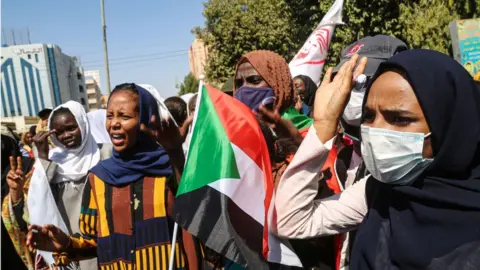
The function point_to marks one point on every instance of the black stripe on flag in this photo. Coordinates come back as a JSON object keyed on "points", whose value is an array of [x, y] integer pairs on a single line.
{"points": [[222, 226]]}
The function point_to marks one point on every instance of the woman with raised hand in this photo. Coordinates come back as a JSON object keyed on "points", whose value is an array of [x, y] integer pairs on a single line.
{"points": [[305, 89], [420, 135], [58, 178], [125, 219], [263, 78], [13, 245]]}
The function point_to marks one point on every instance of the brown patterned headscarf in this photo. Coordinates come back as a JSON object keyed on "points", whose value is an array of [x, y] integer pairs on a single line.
{"points": [[275, 71]]}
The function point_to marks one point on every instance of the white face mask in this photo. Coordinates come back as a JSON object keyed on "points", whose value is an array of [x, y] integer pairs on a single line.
{"points": [[393, 157], [353, 111]]}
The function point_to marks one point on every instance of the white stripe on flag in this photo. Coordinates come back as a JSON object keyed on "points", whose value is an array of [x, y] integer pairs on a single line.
{"points": [[249, 194]]}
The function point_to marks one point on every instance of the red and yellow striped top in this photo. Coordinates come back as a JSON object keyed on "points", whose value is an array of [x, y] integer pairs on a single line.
{"points": [[128, 227]]}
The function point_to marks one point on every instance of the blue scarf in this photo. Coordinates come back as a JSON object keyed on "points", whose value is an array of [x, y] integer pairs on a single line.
{"points": [[147, 158]]}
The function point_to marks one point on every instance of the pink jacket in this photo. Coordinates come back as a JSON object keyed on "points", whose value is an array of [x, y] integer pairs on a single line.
{"points": [[298, 215]]}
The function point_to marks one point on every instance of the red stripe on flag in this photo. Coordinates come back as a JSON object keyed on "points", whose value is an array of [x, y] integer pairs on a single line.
{"points": [[242, 129]]}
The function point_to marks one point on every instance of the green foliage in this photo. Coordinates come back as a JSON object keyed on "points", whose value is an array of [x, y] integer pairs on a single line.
{"points": [[362, 18], [234, 27], [189, 85], [228, 85], [419, 21]]}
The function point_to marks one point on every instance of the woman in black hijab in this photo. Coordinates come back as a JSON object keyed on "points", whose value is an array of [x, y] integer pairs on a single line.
{"points": [[305, 88], [433, 223], [420, 207]]}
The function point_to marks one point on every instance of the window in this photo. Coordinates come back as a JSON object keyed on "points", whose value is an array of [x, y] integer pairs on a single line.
{"points": [[79, 75], [29, 56], [80, 88], [36, 57], [83, 101]]}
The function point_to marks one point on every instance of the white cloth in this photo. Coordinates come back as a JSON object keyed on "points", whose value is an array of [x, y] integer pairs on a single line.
{"points": [[42, 207], [72, 165], [97, 119], [311, 57], [187, 97]]}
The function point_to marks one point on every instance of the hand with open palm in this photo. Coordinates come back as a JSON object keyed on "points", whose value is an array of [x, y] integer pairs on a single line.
{"points": [[166, 133], [333, 95]]}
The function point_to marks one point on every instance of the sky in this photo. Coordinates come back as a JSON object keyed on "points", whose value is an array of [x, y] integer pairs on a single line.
{"points": [[148, 40]]}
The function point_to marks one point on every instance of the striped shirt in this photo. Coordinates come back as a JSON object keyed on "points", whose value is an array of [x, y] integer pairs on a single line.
{"points": [[128, 225]]}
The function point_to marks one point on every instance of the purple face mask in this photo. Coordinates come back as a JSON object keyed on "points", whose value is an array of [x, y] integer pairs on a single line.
{"points": [[254, 97]]}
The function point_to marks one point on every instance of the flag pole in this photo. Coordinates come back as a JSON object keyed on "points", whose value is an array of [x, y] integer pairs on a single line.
{"points": [[172, 253], [175, 228], [201, 83]]}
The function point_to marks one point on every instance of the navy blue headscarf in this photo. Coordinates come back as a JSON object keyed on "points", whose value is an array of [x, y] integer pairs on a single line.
{"points": [[147, 158], [435, 222]]}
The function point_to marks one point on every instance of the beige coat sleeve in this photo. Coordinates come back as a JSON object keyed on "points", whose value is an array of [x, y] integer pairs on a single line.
{"points": [[298, 215]]}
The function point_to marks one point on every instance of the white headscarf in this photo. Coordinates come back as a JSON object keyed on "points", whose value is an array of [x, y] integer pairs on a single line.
{"points": [[97, 119], [73, 165], [187, 97]]}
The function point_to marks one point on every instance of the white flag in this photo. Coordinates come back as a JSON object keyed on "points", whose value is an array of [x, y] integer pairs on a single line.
{"points": [[313, 54]]}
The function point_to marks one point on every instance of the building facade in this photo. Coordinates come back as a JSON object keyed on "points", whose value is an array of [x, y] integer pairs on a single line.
{"points": [[95, 74], [104, 101], [92, 82], [197, 56], [37, 76]]}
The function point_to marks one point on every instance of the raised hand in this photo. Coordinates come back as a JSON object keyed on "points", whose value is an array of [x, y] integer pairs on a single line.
{"points": [[332, 96], [283, 128], [166, 133], [41, 142], [48, 238], [298, 102], [16, 179]]}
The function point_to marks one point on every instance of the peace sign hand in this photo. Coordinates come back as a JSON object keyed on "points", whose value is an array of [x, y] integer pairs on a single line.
{"points": [[166, 133], [41, 142], [16, 179]]}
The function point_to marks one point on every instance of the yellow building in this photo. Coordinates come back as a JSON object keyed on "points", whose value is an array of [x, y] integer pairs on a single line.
{"points": [[197, 56]]}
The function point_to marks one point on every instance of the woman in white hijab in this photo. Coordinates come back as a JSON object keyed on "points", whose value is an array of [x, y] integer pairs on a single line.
{"points": [[60, 175]]}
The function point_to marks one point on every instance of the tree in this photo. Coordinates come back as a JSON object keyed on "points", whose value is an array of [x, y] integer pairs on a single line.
{"points": [[189, 85], [420, 21], [228, 85], [234, 27]]}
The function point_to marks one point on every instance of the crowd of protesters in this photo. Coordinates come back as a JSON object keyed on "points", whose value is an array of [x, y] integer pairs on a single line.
{"points": [[378, 167]]}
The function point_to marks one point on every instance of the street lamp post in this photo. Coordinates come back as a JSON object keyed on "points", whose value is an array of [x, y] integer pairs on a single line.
{"points": [[105, 48]]}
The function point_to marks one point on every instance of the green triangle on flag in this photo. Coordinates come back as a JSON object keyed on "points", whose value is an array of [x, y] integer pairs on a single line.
{"points": [[212, 149]]}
